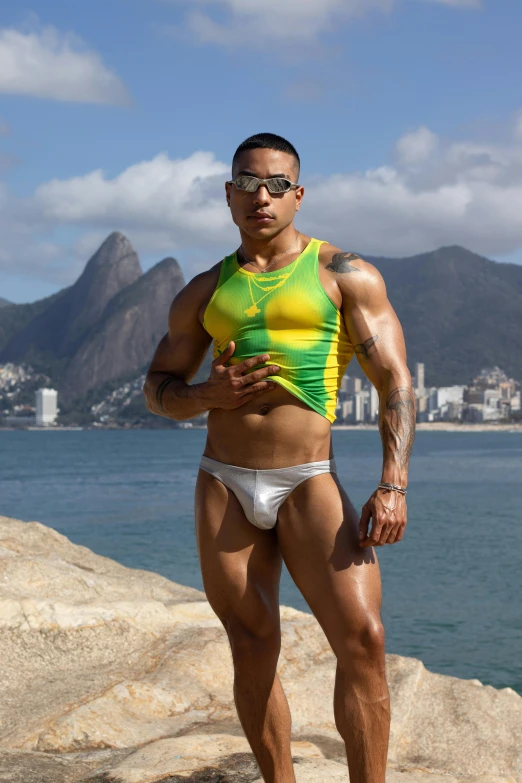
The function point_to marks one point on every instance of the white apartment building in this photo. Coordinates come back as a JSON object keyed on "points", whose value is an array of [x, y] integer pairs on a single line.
{"points": [[46, 407], [419, 379]]}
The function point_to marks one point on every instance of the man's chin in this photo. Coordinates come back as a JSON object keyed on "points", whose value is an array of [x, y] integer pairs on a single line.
{"points": [[266, 231]]}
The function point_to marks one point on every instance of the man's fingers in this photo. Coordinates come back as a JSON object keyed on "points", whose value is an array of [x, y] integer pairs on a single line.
{"points": [[255, 391], [400, 533], [375, 534], [225, 356], [242, 367], [364, 522], [392, 538], [385, 534], [258, 375]]}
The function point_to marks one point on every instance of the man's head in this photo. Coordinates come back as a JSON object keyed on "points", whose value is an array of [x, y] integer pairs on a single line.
{"points": [[264, 156]]}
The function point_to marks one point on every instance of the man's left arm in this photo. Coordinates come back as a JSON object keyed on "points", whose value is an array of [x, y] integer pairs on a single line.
{"points": [[378, 340]]}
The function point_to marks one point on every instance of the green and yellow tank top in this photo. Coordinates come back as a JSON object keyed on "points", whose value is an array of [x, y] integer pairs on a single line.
{"points": [[287, 314]]}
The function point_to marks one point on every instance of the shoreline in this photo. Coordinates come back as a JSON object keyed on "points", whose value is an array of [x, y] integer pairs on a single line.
{"points": [[441, 426], [437, 426]]}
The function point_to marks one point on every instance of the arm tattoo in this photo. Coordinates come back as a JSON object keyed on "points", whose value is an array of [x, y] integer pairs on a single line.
{"points": [[364, 348], [161, 390], [341, 262], [397, 424]]}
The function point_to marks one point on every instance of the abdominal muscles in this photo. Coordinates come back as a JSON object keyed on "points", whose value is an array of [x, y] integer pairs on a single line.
{"points": [[274, 430]]}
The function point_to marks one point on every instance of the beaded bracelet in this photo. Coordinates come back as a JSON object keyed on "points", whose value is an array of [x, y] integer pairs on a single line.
{"points": [[392, 487]]}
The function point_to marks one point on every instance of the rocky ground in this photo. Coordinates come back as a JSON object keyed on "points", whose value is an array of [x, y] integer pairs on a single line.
{"points": [[115, 675]]}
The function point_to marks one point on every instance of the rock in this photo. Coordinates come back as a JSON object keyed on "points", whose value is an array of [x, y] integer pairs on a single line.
{"points": [[114, 675], [182, 756], [59, 329], [72, 624], [127, 333]]}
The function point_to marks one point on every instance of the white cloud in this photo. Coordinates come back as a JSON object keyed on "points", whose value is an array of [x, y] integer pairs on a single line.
{"points": [[434, 193], [459, 3], [49, 64], [251, 24], [255, 23], [416, 146], [184, 197]]}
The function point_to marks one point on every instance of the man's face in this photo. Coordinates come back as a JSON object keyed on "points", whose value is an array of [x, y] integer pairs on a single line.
{"points": [[247, 209]]}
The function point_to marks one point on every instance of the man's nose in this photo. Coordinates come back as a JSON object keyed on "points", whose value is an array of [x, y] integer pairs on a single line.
{"points": [[262, 195]]}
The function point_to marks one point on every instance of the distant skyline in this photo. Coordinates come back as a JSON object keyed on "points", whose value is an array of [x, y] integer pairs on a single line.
{"points": [[124, 115]]}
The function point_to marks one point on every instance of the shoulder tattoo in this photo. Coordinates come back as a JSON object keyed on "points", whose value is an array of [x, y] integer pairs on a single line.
{"points": [[340, 263]]}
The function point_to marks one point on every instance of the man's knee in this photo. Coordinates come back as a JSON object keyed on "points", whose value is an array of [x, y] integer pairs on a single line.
{"points": [[255, 641], [363, 644]]}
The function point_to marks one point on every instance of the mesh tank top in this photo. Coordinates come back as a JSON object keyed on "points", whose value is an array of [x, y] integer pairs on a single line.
{"points": [[287, 314]]}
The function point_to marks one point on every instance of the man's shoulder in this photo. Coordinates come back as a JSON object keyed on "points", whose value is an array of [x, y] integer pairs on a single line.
{"points": [[198, 290], [351, 272]]}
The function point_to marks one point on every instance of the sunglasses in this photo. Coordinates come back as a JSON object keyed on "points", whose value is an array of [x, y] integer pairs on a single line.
{"points": [[274, 184]]}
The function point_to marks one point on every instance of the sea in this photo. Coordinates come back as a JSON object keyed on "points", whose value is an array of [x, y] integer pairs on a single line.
{"points": [[452, 588]]}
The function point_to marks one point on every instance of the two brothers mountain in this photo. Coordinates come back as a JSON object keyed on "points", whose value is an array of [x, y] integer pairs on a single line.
{"points": [[460, 312]]}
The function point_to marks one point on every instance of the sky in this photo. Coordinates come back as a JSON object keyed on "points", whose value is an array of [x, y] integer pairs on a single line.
{"points": [[125, 114]]}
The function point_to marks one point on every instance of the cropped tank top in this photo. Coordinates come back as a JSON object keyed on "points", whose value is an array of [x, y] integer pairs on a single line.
{"points": [[287, 314]]}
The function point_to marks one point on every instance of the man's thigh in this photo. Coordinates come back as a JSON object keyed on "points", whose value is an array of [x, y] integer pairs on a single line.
{"points": [[240, 564], [318, 535]]}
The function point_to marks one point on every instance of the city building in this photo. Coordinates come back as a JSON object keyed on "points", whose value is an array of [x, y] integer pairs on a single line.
{"points": [[491, 396], [419, 380], [46, 407], [444, 403]]}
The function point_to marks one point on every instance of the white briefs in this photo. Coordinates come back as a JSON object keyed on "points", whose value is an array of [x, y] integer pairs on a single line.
{"points": [[262, 492]]}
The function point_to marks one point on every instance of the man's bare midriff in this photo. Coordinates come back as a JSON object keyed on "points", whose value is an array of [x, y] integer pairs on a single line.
{"points": [[276, 430]]}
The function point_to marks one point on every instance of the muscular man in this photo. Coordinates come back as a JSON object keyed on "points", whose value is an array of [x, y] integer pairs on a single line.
{"points": [[286, 313]]}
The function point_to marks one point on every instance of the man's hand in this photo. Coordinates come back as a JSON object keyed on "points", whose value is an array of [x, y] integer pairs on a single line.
{"points": [[232, 387], [388, 513]]}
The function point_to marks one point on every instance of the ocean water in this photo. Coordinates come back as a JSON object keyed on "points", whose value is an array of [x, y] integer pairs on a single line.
{"points": [[451, 588]]}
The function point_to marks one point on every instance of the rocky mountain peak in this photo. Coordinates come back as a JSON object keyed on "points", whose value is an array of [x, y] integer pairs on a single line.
{"points": [[113, 267], [168, 266], [60, 328]]}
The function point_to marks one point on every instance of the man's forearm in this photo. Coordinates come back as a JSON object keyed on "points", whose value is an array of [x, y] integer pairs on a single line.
{"points": [[397, 427], [169, 396]]}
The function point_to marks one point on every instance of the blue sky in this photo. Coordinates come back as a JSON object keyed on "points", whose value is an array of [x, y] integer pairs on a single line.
{"points": [[124, 115]]}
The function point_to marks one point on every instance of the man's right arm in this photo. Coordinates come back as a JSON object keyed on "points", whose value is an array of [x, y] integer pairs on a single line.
{"points": [[180, 354]]}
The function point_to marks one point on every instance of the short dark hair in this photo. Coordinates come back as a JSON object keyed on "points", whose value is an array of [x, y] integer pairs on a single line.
{"points": [[270, 141]]}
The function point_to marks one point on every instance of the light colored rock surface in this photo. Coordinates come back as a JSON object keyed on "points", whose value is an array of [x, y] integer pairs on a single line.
{"points": [[182, 755], [111, 669]]}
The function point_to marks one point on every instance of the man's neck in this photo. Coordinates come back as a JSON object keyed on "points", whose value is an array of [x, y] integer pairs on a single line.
{"points": [[263, 251]]}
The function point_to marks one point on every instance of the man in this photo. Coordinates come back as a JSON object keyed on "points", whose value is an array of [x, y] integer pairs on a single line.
{"points": [[286, 313]]}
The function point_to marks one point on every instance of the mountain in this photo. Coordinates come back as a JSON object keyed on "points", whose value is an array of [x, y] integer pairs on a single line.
{"points": [[57, 332], [460, 312], [127, 334], [103, 327], [15, 317], [4, 302]]}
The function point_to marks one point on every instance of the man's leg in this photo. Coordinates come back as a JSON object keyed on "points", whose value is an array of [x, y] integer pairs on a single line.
{"points": [[318, 536], [241, 568]]}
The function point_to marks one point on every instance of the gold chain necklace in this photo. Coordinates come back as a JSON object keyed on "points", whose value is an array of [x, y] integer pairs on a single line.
{"points": [[254, 309]]}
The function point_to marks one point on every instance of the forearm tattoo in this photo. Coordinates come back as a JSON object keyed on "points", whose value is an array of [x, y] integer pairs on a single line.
{"points": [[363, 349], [341, 262], [397, 425], [161, 390]]}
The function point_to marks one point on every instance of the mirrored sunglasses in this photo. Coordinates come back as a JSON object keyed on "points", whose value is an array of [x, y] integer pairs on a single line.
{"points": [[274, 184]]}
